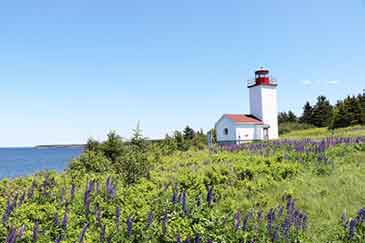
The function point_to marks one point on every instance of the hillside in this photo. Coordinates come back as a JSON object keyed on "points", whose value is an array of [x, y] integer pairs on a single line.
{"points": [[285, 191]]}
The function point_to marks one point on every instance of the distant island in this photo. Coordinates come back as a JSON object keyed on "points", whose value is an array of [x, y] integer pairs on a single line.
{"points": [[60, 146]]}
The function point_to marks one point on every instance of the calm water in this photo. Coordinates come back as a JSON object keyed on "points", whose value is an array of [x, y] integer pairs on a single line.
{"points": [[27, 161]]}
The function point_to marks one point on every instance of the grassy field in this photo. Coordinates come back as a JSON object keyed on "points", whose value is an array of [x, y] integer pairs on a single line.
{"points": [[207, 196], [318, 133]]}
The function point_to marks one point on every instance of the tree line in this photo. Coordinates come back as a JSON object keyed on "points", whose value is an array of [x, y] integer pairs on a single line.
{"points": [[347, 112]]}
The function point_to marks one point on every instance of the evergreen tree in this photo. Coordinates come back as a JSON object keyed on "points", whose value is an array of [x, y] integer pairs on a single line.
{"points": [[322, 112], [307, 114], [188, 133], [340, 117]]}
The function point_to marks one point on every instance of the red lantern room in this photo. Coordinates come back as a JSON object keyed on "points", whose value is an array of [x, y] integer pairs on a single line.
{"points": [[262, 78]]}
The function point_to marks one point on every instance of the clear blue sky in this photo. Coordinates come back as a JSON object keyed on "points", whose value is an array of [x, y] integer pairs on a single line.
{"points": [[74, 69]]}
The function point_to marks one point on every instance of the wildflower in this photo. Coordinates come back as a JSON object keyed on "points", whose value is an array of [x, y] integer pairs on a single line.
{"points": [[164, 223], [178, 239], [197, 239], [149, 220], [352, 228], [7, 212], [117, 220], [11, 238], [55, 219], [129, 226], [64, 220], [21, 232], [83, 232], [102, 233], [210, 196], [21, 199], [31, 191], [237, 220], [35, 232], [183, 203]]}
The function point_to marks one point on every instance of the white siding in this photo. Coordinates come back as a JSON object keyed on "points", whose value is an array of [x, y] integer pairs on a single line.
{"points": [[221, 125]]}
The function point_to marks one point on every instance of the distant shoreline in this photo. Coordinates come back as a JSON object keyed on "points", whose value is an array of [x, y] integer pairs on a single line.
{"points": [[60, 146]]}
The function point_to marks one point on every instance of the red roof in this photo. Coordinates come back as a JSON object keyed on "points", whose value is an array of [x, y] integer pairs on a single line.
{"points": [[250, 119]]}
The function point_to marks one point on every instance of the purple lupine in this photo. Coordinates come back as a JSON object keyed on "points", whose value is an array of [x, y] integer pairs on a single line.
{"points": [[210, 196], [246, 221], [117, 217], [109, 188], [197, 239], [64, 220], [102, 233], [352, 229], [164, 223], [209, 241], [31, 190], [55, 220], [187, 240], [11, 238], [14, 204], [21, 232], [275, 236], [286, 228], [58, 239], [184, 203], [174, 196], [7, 212], [237, 220], [109, 240], [83, 232], [361, 215], [259, 216], [178, 239], [129, 226], [270, 221], [344, 219], [21, 199], [149, 220], [35, 232]]}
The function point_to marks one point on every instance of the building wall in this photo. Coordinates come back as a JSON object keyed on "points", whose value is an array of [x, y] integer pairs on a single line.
{"points": [[263, 105], [236, 132], [221, 125]]}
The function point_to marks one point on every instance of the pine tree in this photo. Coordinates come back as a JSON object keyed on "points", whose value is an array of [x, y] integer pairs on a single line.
{"points": [[188, 133], [322, 112], [307, 114]]}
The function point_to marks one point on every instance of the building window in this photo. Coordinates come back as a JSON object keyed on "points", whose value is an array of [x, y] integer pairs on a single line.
{"points": [[225, 131]]}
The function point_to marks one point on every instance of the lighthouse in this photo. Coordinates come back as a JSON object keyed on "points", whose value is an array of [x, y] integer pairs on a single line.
{"points": [[263, 101], [261, 123]]}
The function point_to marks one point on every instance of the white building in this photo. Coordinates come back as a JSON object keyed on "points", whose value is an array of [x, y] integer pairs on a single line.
{"points": [[262, 123]]}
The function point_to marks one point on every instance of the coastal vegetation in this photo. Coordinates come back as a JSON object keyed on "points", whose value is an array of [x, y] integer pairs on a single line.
{"points": [[345, 113], [307, 187]]}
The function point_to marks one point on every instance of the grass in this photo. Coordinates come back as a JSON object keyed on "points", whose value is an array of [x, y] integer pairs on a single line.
{"points": [[319, 133]]}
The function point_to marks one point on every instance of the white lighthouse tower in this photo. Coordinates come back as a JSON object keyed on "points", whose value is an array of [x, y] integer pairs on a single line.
{"points": [[263, 102]]}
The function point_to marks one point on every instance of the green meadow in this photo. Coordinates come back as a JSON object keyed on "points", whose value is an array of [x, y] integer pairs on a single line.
{"points": [[140, 192]]}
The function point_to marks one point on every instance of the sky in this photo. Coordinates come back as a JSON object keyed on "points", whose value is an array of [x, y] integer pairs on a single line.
{"points": [[70, 70]]}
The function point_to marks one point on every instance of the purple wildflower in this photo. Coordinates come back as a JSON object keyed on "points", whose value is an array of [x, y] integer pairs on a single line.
{"points": [[72, 191], [164, 223], [102, 233], [64, 220], [210, 196], [129, 226], [149, 220], [352, 229], [83, 232], [178, 239], [21, 232], [35, 232], [55, 219], [117, 217], [197, 239], [11, 238], [7, 212], [237, 220]]}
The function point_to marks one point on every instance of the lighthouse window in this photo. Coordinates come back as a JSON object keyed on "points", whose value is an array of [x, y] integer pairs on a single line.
{"points": [[225, 131]]}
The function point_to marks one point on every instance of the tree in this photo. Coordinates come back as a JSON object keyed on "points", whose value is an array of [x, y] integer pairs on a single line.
{"points": [[92, 145], [188, 133], [113, 147], [322, 112], [307, 114], [340, 117]]}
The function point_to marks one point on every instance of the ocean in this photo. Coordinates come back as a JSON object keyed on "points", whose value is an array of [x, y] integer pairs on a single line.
{"points": [[27, 161]]}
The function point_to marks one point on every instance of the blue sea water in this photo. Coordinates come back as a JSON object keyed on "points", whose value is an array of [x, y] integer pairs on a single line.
{"points": [[27, 161]]}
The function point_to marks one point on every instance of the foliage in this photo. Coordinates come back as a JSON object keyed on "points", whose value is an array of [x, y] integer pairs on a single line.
{"points": [[283, 191]]}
